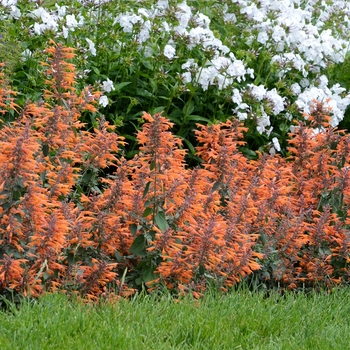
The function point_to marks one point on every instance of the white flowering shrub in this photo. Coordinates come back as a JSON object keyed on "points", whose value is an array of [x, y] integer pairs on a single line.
{"points": [[263, 62]]}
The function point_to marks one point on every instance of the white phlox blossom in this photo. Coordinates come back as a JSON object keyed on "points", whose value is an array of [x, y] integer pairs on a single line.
{"points": [[236, 97], [230, 17], [8, 3], [275, 146], [107, 85], [183, 15], [263, 121], [203, 21], [294, 59], [49, 20], [144, 34], [262, 37], [61, 10], [278, 33], [198, 36], [277, 101], [162, 4], [92, 48], [241, 110], [26, 54], [304, 82], [169, 51], [186, 77], [127, 21], [242, 116], [190, 64], [222, 71], [103, 101], [237, 69], [15, 12], [253, 12], [166, 26], [296, 89], [323, 81], [71, 22], [257, 91]]}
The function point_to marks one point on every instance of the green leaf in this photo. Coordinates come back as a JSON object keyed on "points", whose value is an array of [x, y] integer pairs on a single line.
{"points": [[87, 177], [148, 274], [147, 64], [144, 93], [138, 281], [45, 149], [158, 109], [216, 185], [161, 221], [118, 257], [131, 154], [133, 229], [138, 247], [145, 192], [197, 118], [176, 115], [96, 70], [188, 108], [248, 153], [147, 212], [119, 86], [189, 145], [129, 137], [152, 166]]}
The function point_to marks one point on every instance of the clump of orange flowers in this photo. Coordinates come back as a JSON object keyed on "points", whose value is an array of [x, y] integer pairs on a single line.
{"points": [[65, 225]]}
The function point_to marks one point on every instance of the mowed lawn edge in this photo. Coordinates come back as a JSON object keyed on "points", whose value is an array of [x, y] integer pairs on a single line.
{"points": [[239, 320]]}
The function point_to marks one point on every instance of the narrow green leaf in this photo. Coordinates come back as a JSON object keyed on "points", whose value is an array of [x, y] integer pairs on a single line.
{"points": [[45, 149], [145, 192], [152, 165], [161, 221], [144, 93], [158, 109], [118, 257], [248, 153], [188, 108], [197, 118], [189, 145], [119, 86]]}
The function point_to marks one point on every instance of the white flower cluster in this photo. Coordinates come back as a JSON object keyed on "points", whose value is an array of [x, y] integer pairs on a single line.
{"points": [[14, 10], [50, 20], [293, 31], [331, 97], [221, 71], [107, 86]]}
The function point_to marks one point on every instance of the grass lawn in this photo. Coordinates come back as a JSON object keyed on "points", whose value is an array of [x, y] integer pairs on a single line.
{"points": [[241, 320]]}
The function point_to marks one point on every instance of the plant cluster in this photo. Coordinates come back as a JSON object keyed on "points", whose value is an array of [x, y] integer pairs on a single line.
{"points": [[77, 216], [199, 62]]}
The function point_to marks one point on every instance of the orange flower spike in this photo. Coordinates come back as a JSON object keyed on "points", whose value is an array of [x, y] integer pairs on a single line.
{"points": [[11, 272]]}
